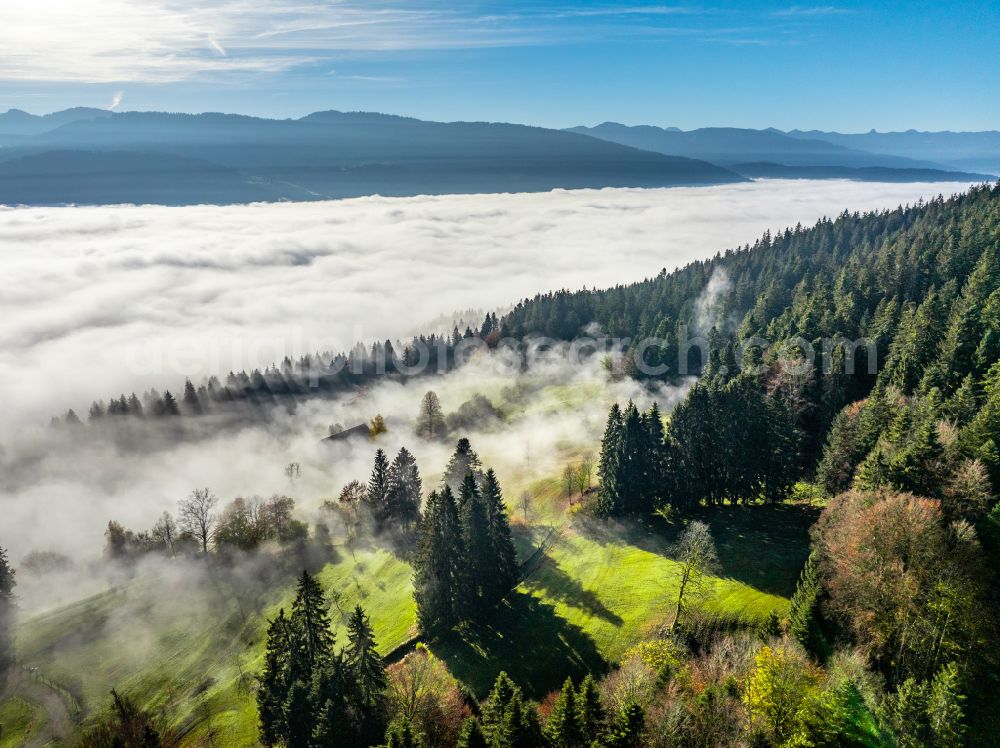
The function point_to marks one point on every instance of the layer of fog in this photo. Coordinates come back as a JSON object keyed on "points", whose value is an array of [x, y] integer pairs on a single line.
{"points": [[91, 293], [102, 300], [552, 414]]}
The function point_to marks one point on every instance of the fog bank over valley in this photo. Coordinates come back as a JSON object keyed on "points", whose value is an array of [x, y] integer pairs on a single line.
{"points": [[102, 300], [99, 300]]}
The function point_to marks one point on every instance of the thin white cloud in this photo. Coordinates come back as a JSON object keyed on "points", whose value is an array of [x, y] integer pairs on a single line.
{"points": [[812, 11], [216, 46], [116, 100], [170, 40]]}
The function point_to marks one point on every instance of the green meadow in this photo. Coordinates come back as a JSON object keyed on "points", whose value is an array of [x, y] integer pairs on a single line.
{"points": [[591, 590]]}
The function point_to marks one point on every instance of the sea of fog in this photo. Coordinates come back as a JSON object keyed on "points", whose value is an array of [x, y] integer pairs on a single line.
{"points": [[96, 301], [100, 300]]}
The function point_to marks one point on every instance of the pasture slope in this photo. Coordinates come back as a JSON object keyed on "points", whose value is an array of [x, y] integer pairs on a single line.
{"points": [[192, 649]]}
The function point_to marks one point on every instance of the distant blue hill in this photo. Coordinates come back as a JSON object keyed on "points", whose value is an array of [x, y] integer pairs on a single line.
{"points": [[17, 123], [92, 178], [768, 170], [824, 152], [964, 150], [182, 157]]}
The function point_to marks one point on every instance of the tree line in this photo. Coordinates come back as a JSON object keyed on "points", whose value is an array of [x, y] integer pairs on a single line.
{"points": [[728, 440], [323, 374]]}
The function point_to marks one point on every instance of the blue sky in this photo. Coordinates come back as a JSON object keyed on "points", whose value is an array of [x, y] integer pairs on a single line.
{"points": [[849, 66]]}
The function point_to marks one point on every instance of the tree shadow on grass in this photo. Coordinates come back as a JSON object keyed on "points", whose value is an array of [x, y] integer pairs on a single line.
{"points": [[552, 582], [525, 637], [763, 545]]}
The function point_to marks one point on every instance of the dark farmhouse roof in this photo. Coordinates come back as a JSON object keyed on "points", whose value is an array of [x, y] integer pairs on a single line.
{"points": [[360, 430]]}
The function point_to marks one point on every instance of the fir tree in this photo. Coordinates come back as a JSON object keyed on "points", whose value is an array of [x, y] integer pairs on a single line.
{"points": [[464, 461], [906, 712], [312, 639], [590, 711], [378, 488], [191, 402], [362, 658], [626, 731], [610, 501], [437, 565], [563, 730], [472, 735], [299, 720], [273, 688], [404, 489], [477, 566], [168, 406], [945, 711], [338, 718], [803, 615], [7, 584], [504, 573], [401, 734], [503, 715]]}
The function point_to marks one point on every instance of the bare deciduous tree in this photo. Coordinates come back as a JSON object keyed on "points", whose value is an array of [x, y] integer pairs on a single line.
{"points": [[585, 473], [196, 515], [569, 482], [525, 503], [165, 532], [696, 554]]}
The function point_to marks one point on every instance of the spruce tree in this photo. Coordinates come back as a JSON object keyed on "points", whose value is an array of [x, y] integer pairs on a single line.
{"points": [[563, 730], [477, 566], [472, 735], [437, 564], [464, 461], [363, 660], [299, 720], [803, 615], [312, 638], [505, 570], [378, 488], [610, 498], [404, 489], [590, 711], [273, 683], [7, 584]]}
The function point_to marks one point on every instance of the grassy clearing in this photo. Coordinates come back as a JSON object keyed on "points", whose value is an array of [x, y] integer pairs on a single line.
{"points": [[593, 590], [598, 589], [20, 719], [192, 649]]}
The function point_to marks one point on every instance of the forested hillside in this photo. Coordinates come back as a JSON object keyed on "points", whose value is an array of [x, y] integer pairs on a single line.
{"points": [[874, 369]]}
